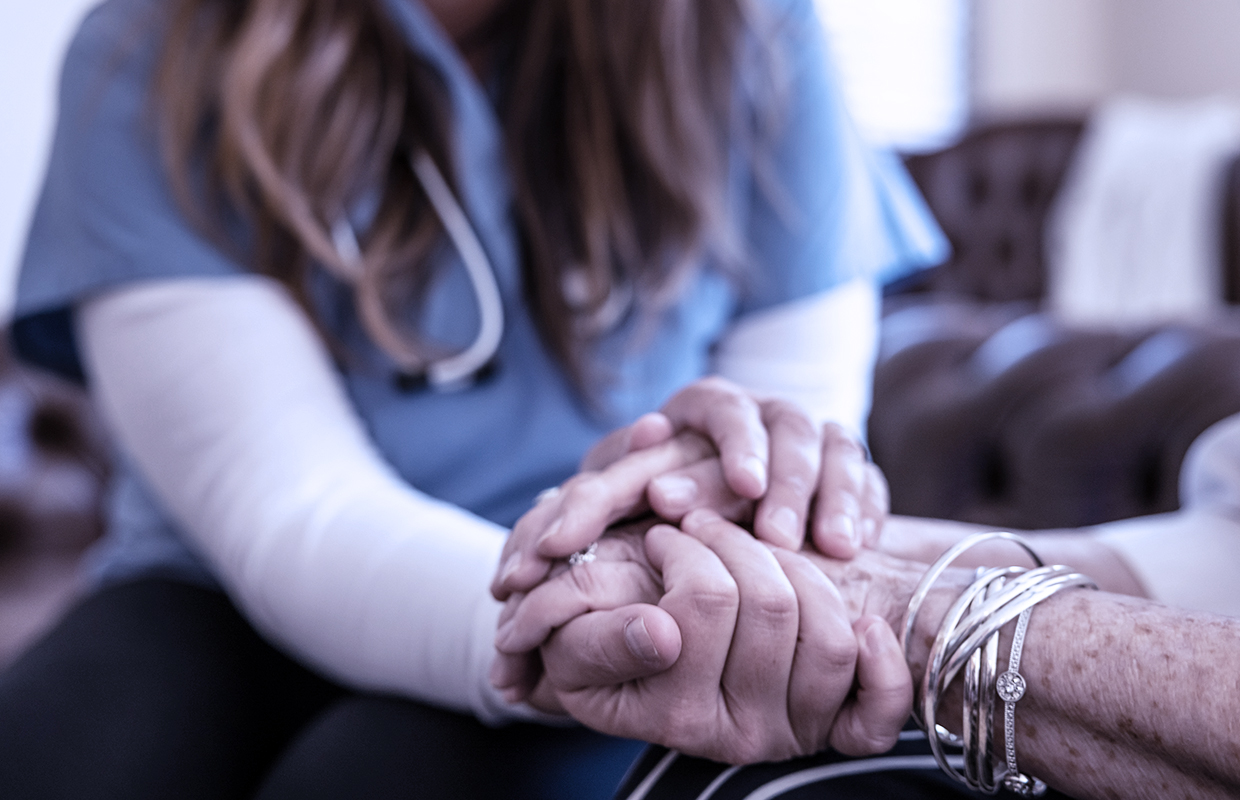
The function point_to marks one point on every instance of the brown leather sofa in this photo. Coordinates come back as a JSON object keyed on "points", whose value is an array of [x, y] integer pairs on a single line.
{"points": [[986, 409]]}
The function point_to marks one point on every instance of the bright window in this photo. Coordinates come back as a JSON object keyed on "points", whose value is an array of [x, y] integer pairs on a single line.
{"points": [[904, 66]]}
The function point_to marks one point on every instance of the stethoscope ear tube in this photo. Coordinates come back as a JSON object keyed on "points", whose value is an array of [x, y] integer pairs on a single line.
{"points": [[457, 371]]}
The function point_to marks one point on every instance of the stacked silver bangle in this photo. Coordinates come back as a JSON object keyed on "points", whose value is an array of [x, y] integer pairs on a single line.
{"points": [[969, 640]]}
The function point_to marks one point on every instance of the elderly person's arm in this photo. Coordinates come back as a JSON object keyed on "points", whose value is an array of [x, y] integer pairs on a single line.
{"points": [[1126, 697]]}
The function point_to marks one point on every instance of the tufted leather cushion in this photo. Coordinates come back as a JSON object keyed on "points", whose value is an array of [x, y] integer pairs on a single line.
{"points": [[996, 414], [991, 193], [1230, 225]]}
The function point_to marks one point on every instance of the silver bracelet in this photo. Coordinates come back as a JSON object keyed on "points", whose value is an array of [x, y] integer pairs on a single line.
{"points": [[977, 714], [987, 780], [1010, 687], [927, 583], [935, 680], [946, 663], [940, 566], [968, 641]]}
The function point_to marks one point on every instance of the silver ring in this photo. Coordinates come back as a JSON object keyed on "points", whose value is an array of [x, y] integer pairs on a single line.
{"points": [[584, 556]]}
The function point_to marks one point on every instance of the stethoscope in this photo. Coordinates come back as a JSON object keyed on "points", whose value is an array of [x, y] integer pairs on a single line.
{"points": [[462, 369]]}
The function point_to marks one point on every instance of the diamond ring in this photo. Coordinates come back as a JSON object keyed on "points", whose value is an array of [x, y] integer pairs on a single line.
{"points": [[584, 556]]}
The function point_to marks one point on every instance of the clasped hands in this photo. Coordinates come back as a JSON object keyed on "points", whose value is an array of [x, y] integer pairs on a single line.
{"points": [[688, 629]]}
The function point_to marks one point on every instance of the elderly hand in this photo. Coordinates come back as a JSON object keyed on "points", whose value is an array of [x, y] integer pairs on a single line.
{"points": [[763, 656], [572, 516]]}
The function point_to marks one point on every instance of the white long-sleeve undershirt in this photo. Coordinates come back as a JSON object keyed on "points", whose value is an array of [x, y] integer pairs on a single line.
{"points": [[1190, 558], [225, 397], [818, 352]]}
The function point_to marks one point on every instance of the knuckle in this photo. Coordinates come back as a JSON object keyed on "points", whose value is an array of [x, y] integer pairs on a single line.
{"points": [[709, 389], [877, 487], [796, 477], [732, 405], [790, 416], [834, 432], [839, 654], [835, 436], [715, 596], [586, 490], [774, 605], [800, 460], [846, 502], [714, 383]]}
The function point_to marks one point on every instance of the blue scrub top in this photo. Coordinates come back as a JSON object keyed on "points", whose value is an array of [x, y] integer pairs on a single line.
{"points": [[106, 217]]}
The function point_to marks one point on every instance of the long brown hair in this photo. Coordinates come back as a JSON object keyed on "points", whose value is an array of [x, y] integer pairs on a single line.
{"points": [[619, 120]]}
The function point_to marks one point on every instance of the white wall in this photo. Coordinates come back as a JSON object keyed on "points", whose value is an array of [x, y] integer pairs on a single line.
{"points": [[1040, 56], [33, 35], [1177, 47], [904, 67]]}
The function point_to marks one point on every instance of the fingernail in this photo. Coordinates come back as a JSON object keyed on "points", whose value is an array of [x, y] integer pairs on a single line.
{"points": [[868, 527], [638, 640], [511, 564], [677, 490], [550, 533], [785, 524], [842, 525], [504, 634], [757, 468]]}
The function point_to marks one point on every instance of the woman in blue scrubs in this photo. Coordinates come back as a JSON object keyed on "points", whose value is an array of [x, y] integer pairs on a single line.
{"points": [[352, 281]]}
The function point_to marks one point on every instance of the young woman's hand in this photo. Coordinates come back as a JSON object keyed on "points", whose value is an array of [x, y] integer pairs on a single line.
{"points": [[570, 517], [619, 575], [764, 661], [771, 453]]}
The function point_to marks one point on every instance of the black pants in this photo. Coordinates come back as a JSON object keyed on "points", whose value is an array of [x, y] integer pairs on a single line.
{"points": [[157, 689]]}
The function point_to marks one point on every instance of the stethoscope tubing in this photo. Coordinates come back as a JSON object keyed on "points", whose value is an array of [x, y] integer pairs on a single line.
{"points": [[458, 370]]}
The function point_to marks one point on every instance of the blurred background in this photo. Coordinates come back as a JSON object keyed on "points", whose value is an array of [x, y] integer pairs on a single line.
{"points": [[1081, 157]]}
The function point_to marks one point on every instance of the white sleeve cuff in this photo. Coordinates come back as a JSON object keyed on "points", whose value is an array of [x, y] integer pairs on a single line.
{"points": [[817, 352], [1187, 558]]}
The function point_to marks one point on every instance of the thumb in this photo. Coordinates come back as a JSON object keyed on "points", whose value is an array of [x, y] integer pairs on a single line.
{"points": [[871, 722], [603, 648]]}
